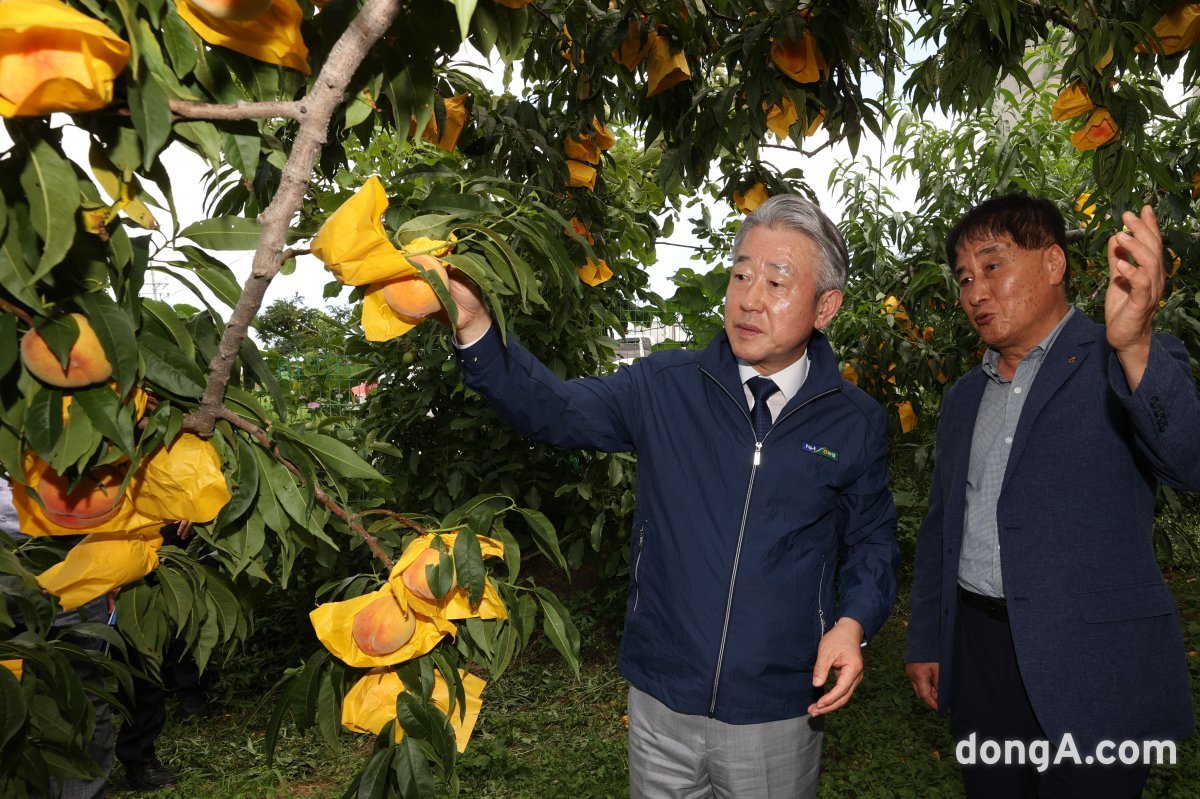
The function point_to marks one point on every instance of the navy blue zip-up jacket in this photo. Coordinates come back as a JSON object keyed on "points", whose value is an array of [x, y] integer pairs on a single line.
{"points": [[733, 556]]}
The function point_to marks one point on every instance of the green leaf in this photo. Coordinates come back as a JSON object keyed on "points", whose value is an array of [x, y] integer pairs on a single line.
{"points": [[224, 602], [43, 421], [60, 335], [468, 562], [268, 503], [220, 281], [241, 152], [8, 342], [338, 457], [413, 775], [464, 9], [506, 647], [513, 265], [115, 331], [205, 136], [176, 590], [13, 710], [276, 480], [224, 233], [180, 43], [253, 362], [10, 453], [358, 111], [245, 482], [166, 316], [328, 710], [150, 109], [414, 715], [464, 204], [243, 403], [53, 194], [210, 635], [14, 274], [169, 369], [544, 535], [79, 438], [557, 624], [374, 780]]}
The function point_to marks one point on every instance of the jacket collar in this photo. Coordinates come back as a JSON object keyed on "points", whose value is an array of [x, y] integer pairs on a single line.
{"points": [[1069, 351], [717, 359]]}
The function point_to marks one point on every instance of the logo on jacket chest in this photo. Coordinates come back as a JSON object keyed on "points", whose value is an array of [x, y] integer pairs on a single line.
{"points": [[824, 452]]}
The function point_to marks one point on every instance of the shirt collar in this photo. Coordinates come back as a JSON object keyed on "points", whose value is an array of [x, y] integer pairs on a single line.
{"points": [[789, 379], [991, 357]]}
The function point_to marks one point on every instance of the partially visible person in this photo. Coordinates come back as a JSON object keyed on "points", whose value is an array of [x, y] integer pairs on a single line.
{"points": [[147, 706], [138, 734], [762, 484], [102, 744], [1039, 613]]}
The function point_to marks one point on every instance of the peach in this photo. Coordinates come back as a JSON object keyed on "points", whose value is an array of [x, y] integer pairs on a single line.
{"points": [[237, 10], [86, 364], [411, 296], [94, 500], [417, 581], [382, 627]]}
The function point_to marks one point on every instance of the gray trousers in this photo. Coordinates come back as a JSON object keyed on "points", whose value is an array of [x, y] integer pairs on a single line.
{"points": [[677, 756]]}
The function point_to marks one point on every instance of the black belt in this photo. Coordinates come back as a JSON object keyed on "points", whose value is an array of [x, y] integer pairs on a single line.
{"points": [[994, 607]]}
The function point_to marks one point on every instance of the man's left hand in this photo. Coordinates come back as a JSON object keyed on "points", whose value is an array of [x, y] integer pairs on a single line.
{"points": [[840, 650], [1135, 285]]}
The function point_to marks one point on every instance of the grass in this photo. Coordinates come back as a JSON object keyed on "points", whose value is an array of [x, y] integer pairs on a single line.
{"points": [[544, 735]]}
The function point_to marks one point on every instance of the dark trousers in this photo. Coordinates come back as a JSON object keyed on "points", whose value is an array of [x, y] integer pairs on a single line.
{"points": [[989, 701], [148, 705]]}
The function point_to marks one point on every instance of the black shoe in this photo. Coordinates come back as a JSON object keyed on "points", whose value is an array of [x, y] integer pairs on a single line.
{"points": [[149, 777]]}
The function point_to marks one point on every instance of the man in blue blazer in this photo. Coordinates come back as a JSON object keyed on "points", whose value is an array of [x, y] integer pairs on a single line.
{"points": [[762, 478], [1039, 613]]}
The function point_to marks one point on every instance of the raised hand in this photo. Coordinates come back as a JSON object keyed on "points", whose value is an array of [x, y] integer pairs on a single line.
{"points": [[1135, 286], [473, 316]]}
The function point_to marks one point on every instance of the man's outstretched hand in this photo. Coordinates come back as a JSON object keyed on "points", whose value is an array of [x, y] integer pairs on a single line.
{"points": [[473, 317]]}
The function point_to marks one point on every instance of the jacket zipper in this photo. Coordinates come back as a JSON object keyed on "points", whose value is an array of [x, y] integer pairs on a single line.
{"points": [[737, 553], [637, 565], [820, 597]]}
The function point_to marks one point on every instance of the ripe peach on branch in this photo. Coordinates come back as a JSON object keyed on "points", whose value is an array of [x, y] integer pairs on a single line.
{"points": [[85, 365]]}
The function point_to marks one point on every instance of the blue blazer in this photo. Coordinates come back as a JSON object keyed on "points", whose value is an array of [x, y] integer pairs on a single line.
{"points": [[1096, 630]]}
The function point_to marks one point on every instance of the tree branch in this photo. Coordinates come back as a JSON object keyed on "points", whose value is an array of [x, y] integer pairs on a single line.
{"points": [[1053, 14], [259, 435], [808, 153], [696, 247], [282, 109], [316, 111], [17, 311]]}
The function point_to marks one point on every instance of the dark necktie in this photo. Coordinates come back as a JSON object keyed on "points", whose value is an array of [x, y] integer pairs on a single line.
{"points": [[760, 414]]}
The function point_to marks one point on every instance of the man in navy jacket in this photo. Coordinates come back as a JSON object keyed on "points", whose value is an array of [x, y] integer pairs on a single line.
{"points": [[747, 510], [1039, 613]]}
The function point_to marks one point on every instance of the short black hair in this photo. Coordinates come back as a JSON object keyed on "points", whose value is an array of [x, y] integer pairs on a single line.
{"points": [[1032, 222]]}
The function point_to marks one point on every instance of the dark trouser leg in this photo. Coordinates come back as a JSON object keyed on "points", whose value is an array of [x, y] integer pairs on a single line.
{"points": [[988, 699], [148, 716], [182, 679]]}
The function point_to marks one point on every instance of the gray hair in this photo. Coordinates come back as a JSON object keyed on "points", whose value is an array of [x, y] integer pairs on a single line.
{"points": [[794, 213]]}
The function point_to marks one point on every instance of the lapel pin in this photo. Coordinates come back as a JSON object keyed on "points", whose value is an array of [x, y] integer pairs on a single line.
{"points": [[1071, 359]]}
